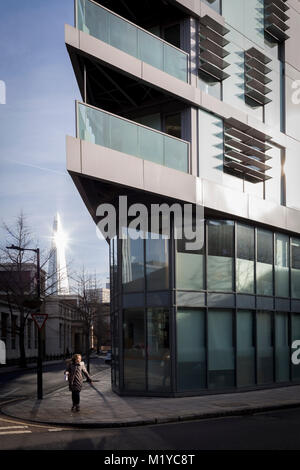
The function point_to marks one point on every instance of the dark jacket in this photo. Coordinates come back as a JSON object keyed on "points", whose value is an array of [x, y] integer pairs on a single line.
{"points": [[75, 376]]}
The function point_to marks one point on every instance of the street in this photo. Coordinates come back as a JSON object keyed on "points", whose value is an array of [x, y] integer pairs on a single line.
{"points": [[264, 431], [276, 430]]}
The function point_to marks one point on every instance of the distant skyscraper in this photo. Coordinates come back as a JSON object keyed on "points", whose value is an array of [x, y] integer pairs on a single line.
{"points": [[58, 282]]}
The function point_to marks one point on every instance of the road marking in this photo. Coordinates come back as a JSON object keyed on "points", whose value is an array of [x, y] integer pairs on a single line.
{"points": [[12, 427], [55, 429], [13, 432], [9, 393]]}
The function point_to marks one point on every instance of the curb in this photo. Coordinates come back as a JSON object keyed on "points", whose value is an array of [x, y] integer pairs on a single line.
{"points": [[164, 420]]}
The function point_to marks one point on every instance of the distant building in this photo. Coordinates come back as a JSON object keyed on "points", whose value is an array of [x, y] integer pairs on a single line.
{"points": [[9, 322], [101, 294], [64, 332]]}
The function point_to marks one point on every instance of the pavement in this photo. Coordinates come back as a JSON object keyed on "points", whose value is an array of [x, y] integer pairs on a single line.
{"points": [[100, 407]]}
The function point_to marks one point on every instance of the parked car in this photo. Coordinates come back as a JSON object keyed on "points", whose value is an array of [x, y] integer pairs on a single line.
{"points": [[108, 357]]}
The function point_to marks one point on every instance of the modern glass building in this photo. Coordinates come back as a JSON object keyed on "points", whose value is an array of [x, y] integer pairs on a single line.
{"points": [[195, 102]]}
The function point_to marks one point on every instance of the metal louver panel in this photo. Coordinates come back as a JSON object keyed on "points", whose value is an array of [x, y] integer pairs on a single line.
{"points": [[275, 19], [245, 151], [256, 78], [212, 51]]}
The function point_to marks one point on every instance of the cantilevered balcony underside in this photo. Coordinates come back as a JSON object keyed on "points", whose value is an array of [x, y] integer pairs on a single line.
{"points": [[102, 174]]}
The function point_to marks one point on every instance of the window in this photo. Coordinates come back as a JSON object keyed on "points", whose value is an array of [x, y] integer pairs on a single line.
{"points": [[173, 125], [158, 350], [264, 265], [245, 259], [220, 255], [282, 349], [265, 349], [282, 288], [29, 327], [4, 325], [13, 331], [245, 328], [191, 349], [60, 335], [221, 368], [134, 350], [132, 264], [189, 267], [157, 263], [295, 267]]}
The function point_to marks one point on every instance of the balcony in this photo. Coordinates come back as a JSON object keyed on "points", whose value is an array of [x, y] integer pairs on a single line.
{"points": [[114, 30], [114, 132]]}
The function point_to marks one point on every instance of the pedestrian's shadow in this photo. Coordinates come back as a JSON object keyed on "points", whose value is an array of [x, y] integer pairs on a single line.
{"points": [[104, 399]]}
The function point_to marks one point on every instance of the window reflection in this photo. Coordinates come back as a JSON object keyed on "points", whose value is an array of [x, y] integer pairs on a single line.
{"points": [[295, 246], [220, 255], [264, 266], [221, 367], [132, 263], [189, 266], [265, 349], [134, 349], [157, 263], [245, 259], [158, 349], [282, 265], [191, 349]]}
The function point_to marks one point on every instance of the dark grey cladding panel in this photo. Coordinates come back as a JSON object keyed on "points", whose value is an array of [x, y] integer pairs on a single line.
{"points": [[133, 300], [158, 299], [245, 301], [282, 305], [295, 306], [190, 299], [221, 300], [265, 303]]}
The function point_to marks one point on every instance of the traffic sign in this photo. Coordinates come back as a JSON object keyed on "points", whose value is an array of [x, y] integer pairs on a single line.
{"points": [[39, 319]]}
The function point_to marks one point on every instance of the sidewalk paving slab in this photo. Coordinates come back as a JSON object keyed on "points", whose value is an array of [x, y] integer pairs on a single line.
{"points": [[100, 407]]}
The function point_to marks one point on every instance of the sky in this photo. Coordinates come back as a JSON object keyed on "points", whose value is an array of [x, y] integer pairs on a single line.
{"points": [[38, 114]]}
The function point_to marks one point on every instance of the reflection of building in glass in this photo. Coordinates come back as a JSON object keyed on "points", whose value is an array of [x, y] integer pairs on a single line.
{"points": [[191, 102]]}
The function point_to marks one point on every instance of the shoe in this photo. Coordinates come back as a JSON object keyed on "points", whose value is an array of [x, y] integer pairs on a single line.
{"points": [[73, 408], [77, 408]]}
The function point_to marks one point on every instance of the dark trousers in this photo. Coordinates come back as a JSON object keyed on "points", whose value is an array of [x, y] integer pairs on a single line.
{"points": [[75, 398]]}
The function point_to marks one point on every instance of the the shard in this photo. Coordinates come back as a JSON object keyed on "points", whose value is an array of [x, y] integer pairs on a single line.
{"points": [[58, 282]]}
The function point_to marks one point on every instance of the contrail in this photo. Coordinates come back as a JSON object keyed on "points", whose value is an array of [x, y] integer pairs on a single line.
{"points": [[37, 167]]}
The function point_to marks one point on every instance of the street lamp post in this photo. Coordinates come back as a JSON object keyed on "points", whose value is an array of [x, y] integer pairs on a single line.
{"points": [[38, 288]]}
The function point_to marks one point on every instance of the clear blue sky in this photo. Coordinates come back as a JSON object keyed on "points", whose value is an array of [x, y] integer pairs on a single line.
{"points": [[38, 114]]}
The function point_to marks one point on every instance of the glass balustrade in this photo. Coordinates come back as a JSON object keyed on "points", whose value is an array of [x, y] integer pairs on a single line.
{"points": [[108, 130], [120, 33]]}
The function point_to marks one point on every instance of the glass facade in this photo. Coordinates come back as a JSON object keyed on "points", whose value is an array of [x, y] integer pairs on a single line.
{"points": [[194, 322]]}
